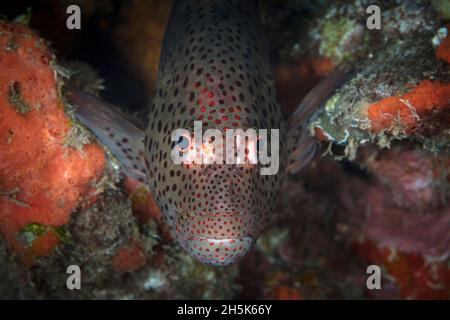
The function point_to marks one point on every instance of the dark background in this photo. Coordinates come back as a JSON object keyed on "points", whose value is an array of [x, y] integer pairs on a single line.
{"points": [[93, 44]]}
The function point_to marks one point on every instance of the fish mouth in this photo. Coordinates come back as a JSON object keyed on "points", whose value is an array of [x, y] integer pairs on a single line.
{"points": [[219, 238], [218, 252]]}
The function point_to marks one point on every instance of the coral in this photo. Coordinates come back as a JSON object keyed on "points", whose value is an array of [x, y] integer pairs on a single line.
{"points": [[280, 289], [144, 206], [342, 39], [336, 32], [407, 111], [121, 257], [305, 253], [84, 78], [41, 180], [335, 210], [129, 258], [406, 203], [416, 277], [287, 293], [400, 92], [418, 182]]}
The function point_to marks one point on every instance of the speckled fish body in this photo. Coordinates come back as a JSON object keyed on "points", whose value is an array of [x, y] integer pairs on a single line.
{"points": [[214, 68]]}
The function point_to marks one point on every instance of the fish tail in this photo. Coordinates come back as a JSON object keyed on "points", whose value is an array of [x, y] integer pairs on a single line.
{"points": [[114, 130], [302, 146]]}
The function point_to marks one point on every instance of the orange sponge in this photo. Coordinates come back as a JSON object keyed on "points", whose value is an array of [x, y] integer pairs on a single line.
{"points": [[409, 109], [41, 180], [129, 258]]}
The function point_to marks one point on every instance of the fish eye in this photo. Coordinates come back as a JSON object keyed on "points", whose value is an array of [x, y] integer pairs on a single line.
{"points": [[183, 143]]}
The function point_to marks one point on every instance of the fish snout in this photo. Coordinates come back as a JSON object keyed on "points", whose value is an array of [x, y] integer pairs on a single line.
{"points": [[219, 252]]}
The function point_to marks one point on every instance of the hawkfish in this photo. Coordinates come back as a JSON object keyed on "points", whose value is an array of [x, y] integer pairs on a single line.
{"points": [[214, 68]]}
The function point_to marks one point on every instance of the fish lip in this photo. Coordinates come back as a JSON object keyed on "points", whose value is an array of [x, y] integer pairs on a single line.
{"points": [[220, 240], [219, 252]]}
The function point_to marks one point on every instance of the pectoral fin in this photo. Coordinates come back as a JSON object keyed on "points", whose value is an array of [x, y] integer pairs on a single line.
{"points": [[302, 146], [114, 130]]}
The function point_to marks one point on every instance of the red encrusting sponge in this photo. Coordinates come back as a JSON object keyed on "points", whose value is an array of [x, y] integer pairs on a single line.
{"points": [[41, 180]]}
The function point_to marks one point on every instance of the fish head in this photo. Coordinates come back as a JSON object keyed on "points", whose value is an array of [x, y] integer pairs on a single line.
{"points": [[215, 210], [219, 221], [222, 207]]}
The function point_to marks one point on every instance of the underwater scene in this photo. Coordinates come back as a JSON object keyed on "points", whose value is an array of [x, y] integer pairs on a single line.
{"points": [[225, 149]]}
